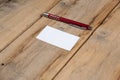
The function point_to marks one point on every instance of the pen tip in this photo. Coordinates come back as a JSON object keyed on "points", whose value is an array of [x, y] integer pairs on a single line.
{"points": [[89, 28]]}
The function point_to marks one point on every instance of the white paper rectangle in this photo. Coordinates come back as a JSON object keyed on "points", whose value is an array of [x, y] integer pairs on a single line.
{"points": [[58, 38]]}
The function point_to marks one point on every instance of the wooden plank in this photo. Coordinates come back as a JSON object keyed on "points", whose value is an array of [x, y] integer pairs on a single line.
{"points": [[95, 21], [28, 58], [16, 16], [3, 1], [99, 58]]}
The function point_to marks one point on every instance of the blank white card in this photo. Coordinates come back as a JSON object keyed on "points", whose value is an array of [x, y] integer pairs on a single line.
{"points": [[58, 38]]}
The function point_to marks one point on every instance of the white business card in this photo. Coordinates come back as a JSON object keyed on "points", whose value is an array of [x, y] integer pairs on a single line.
{"points": [[58, 38]]}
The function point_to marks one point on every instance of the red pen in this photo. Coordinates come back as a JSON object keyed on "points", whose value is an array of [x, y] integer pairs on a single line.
{"points": [[68, 21]]}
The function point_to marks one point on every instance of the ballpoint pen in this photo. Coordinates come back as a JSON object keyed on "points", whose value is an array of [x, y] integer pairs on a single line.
{"points": [[68, 21]]}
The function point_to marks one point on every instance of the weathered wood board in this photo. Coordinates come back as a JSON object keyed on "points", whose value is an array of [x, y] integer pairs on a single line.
{"points": [[16, 16], [99, 58]]}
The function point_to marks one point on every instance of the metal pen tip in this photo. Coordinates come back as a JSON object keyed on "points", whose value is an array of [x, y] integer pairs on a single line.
{"points": [[89, 28]]}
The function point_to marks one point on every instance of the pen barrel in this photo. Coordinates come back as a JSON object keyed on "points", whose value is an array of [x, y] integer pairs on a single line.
{"points": [[55, 17], [72, 22], [68, 21]]}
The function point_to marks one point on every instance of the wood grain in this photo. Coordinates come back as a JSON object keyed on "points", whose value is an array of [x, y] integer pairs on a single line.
{"points": [[30, 59], [16, 16], [97, 20], [3, 1], [99, 58]]}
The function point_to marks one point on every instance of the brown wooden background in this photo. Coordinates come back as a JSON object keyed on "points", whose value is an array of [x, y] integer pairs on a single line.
{"points": [[96, 56]]}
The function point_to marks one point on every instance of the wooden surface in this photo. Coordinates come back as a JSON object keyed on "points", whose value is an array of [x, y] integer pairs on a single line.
{"points": [[95, 57]]}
